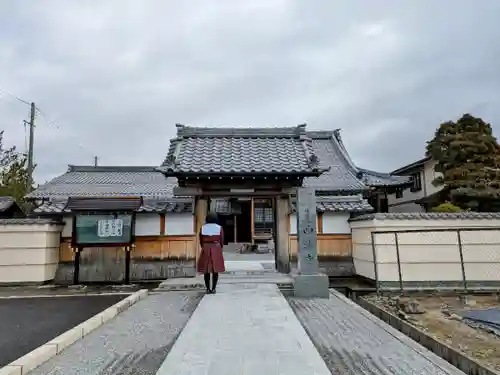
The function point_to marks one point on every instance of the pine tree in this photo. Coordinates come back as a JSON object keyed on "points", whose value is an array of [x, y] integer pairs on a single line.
{"points": [[468, 159], [13, 173]]}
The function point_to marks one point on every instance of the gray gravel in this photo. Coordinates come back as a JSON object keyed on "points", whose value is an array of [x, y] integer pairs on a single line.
{"points": [[352, 341], [135, 342]]}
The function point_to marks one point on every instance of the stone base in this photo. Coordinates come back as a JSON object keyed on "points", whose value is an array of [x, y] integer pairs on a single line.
{"points": [[311, 286]]}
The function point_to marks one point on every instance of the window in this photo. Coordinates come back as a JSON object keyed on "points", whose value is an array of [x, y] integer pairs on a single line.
{"points": [[399, 193], [417, 182]]}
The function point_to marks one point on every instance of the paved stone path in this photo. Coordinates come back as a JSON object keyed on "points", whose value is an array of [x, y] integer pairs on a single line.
{"points": [[135, 342], [353, 341], [244, 329]]}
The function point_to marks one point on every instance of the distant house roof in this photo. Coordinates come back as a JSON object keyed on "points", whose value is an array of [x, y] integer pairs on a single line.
{"points": [[407, 168], [229, 151], [378, 179]]}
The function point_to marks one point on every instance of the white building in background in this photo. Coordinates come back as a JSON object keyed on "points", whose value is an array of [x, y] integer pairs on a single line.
{"points": [[422, 173]]}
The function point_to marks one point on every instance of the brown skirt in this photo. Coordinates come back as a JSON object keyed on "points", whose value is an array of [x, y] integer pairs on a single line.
{"points": [[211, 259]]}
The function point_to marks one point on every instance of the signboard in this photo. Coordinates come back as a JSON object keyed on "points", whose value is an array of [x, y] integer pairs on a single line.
{"points": [[103, 229]]}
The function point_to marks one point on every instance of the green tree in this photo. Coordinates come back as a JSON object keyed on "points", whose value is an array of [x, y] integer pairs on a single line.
{"points": [[467, 159], [13, 173]]}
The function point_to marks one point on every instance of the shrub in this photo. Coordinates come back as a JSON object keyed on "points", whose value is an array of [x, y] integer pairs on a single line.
{"points": [[447, 207]]}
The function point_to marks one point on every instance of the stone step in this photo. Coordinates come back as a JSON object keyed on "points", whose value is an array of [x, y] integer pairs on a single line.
{"points": [[197, 283]]}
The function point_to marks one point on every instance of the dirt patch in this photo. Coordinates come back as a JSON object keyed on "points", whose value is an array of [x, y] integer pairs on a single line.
{"points": [[437, 316]]}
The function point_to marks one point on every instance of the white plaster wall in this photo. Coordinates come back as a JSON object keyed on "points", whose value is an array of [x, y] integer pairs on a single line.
{"points": [[336, 223], [147, 224], [68, 226], [293, 224], [431, 175], [177, 224], [428, 256], [29, 253]]}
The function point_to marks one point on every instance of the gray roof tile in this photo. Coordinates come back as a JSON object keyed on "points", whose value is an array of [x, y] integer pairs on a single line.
{"points": [[148, 206], [429, 216], [349, 203], [83, 181], [233, 150], [344, 175]]}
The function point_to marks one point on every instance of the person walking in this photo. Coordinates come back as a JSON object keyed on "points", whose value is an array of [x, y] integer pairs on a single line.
{"points": [[211, 260]]}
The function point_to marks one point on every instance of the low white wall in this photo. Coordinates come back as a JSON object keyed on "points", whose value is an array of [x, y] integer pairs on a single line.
{"points": [[177, 224], [430, 256], [333, 223], [29, 250]]}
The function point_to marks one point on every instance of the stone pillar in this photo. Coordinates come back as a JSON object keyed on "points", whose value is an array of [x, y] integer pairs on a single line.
{"points": [[282, 240], [308, 282]]}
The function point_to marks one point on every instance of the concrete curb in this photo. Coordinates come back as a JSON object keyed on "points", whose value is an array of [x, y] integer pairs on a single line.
{"points": [[43, 353], [458, 359]]}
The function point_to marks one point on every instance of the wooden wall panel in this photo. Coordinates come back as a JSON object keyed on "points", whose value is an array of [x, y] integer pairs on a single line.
{"points": [[147, 247], [329, 245]]}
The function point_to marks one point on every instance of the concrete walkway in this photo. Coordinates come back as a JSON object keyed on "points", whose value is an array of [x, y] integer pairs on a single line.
{"points": [[244, 329]]}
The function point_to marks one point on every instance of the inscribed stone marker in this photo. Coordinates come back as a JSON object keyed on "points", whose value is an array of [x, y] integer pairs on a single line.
{"points": [[306, 231]]}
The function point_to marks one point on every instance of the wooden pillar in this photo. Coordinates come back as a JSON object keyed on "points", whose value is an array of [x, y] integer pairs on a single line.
{"points": [[252, 219], [162, 224], [282, 240], [76, 273], [201, 211], [319, 224], [127, 265]]}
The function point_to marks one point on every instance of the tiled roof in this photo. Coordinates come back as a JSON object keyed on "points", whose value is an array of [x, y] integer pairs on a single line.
{"points": [[235, 151], [148, 206], [85, 181], [6, 203], [349, 203], [429, 216], [378, 179], [344, 175], [104, 204]]}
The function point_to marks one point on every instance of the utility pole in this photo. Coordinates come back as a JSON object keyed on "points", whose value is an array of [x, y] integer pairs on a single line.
{"points": [[95, 161], [30, 148]]}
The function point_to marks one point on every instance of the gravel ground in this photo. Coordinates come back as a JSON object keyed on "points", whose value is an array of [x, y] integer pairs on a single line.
{"points": [[441, 320], [352, 341], [27, 323], [135, 342]]}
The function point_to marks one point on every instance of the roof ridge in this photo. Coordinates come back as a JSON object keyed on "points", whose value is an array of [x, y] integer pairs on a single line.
{"points": [[185, 131], [111, 168]]}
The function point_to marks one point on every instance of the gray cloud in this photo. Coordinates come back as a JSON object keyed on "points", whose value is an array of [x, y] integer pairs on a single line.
{"points": [[114, 77]]}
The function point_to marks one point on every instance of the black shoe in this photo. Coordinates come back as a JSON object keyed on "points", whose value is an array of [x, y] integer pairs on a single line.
{"points": [[209, 291], [212, 291]]}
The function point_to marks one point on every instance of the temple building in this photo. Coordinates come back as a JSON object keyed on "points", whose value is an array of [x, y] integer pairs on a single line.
{"points": [[135, 223]]}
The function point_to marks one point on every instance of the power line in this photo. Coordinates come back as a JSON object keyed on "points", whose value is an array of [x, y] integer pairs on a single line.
{"points": [[14, 96]]}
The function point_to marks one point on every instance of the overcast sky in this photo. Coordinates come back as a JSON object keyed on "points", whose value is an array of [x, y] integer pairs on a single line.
{"points": [[113, 77]]}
